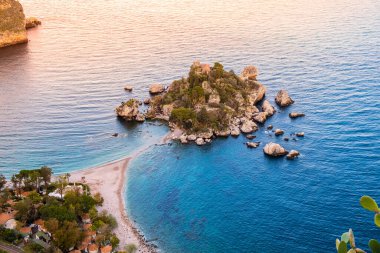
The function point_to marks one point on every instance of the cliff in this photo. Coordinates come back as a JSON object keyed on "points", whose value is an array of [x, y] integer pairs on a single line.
{"points": [[12, 23]]}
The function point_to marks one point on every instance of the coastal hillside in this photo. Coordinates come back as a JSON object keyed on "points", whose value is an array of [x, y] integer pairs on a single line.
{"points": [[12, 23]]}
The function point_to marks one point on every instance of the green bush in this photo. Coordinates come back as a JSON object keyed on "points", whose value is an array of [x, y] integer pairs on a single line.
{"points": [[182, 115]]}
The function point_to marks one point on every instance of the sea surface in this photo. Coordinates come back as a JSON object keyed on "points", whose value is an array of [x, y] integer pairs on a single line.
{"points": [[58, 94]]}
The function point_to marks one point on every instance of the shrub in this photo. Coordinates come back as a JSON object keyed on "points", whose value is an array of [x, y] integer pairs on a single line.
{"points": [[182, 115]]}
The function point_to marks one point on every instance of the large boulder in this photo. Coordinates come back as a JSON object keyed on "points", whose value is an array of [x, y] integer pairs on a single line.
{"points": [[12, 23], [252, 144], [279, 132], [248, 127], [128, 110], [257, 93], [206, 134], [200, 141], [156, 88], [250, 72], [274, 149], [235, 131], [268, 108], [292, 154], [283, 99], [222, 133], [260, 117]]}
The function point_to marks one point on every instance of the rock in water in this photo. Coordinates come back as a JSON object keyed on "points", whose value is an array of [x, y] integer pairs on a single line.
{"points": [[248, 127], [292, 154], [128, 88], [200, 141], [252, 144], [300, 134], [260, 117], [274, 149], [250, 136], [156, 89], [32, 22], [294, 115], [183, 139], [278, 132], [129, 110], [283, 99], [250, 72], [268, 108], [12, 23]]}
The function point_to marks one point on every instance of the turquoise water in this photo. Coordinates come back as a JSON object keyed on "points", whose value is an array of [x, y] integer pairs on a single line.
{"points": [[57, 96]]}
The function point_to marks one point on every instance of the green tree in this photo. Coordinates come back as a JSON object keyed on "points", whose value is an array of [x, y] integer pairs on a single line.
{"points": [[67, 235], [3, 181], [46, 173], [218, 70], [17, 181]]}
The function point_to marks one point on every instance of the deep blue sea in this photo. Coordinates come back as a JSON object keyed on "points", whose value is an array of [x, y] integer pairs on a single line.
{"points": [[58, 93]]}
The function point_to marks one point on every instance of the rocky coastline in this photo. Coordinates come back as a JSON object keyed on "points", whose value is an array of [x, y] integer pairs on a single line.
{"points": [[13, 24], [210, 103]]}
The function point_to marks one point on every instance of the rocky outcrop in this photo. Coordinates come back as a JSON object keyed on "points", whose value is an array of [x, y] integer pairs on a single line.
{"points": [[183, 139], [248, 127], [128, 88], [268, 108], [294, 115], [292, 155], [252, 144], [156, 89], [222, 133], [278, 132], [250, 72], [260, 117], [130, 111], [300, 134], [191, 137], [283, 99], [200, 141], [32, 22], [12, 23], [250, 136], [274, 149], [214, 98]]}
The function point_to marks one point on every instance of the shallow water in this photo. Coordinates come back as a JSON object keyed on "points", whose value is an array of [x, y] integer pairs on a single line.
{"points": [[59, 91]]}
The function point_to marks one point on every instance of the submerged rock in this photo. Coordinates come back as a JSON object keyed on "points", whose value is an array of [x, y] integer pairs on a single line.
{"points": [[270, 127], [115, 135], [292, 154], [32, 22], [294, 115], [283, 99], [12, 23], [156, 89], [274, 149]]}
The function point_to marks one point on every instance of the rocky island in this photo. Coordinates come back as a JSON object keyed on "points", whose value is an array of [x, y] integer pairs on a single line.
{"points": [[212, 102], [13, 24], [209, 102]]}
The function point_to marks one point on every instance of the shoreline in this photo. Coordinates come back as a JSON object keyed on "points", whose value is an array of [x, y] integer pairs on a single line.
{"points": [[109, 180]]}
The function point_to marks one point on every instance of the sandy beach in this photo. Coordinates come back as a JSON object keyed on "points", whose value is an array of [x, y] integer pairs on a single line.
{"points": [[109, 181]]}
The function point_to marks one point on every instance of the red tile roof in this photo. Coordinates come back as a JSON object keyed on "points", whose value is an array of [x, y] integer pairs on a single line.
{"points": [[4, 217]]}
